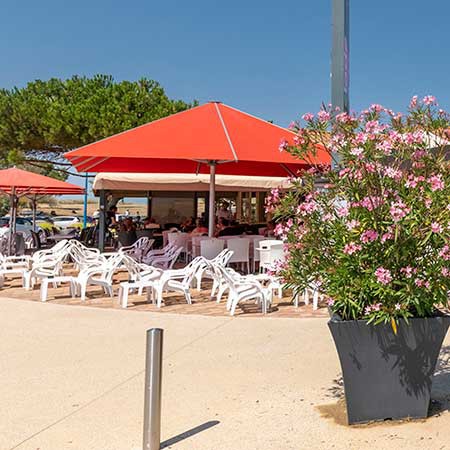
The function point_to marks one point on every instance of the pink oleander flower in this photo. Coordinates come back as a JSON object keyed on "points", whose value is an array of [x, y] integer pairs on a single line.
{"points": [[357, 151], [385, 146], [436, 228], [376, 108], [429, 100], [398, 211], [445, 272], [323, 116], [308, 117], [351, 248], [369, 236], [283, 145], [352, 224], [436, 183], [444, 253], [371, 202], [383, 275], [391, 172], [408, 271], [387, 237], [398, 307], [413, 102], [343, 211], [330, 302]]}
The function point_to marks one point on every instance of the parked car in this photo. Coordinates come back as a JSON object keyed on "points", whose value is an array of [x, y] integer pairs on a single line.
{"points": [[65, 221], [23, 225]]}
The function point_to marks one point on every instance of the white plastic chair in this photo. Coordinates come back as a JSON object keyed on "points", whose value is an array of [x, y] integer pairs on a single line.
{"points": [[195, 242], [168, 260], [256, 253], [242, 288], [100, 276], [139, 249], [180, 240], [241, 251], [270, 251], [211, 247]]}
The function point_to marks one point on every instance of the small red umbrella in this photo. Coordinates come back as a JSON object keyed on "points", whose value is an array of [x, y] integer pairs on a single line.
{"points": [[18, 183], [211, 138]]}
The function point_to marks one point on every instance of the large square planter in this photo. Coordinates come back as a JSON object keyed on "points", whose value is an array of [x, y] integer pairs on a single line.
{"points": [[387, 375]]}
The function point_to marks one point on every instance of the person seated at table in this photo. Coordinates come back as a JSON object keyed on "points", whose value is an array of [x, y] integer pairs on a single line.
{"points": [[127, 225], [228, 229], [201, 228], [150, 224], [188, 225], [221, 224]]}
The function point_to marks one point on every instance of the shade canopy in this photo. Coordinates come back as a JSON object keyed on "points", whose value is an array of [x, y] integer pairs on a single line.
{"points": [[21, 182], [186, 142], [128, 182]]}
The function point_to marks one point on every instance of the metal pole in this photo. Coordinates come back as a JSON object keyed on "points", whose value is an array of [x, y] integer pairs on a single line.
{"points": [[33, 204], [11, 219], [152, 398], [212, 198], [85, 200], [102, 221], [340, 75]]}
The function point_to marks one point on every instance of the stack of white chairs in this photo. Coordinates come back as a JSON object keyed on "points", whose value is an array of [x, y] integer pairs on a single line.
{"points": [[206, 271], [139, 249], [181, 240], [241, 288], [47, 264], [165, 258], [141, 277], [13, 265], [99, 275]]}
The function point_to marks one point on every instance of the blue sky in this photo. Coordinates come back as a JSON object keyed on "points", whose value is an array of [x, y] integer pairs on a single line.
{"points": [[265, 57]]}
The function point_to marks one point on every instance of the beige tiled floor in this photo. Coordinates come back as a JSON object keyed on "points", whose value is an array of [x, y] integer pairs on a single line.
{"points": [[173, 303]]}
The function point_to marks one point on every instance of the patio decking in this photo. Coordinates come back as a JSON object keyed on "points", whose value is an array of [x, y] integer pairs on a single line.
{"points": [[173, 302]]}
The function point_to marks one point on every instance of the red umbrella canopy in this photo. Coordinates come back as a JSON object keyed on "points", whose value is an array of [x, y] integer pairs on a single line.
{"points": [[28, 183], [187, 141]]}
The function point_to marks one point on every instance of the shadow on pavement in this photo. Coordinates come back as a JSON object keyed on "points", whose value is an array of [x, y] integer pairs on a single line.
{"points": [[189, 433]]}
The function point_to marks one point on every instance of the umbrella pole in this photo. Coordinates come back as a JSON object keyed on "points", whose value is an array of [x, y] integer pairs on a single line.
{"points": [[11, 212], [212, 198], [33, 205]]}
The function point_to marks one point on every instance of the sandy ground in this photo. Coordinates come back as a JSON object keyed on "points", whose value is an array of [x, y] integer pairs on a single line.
{"points": [[72, 378]]}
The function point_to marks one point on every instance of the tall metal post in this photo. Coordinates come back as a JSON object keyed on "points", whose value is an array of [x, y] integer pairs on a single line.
{"points": [[340, 57], [102, 221], [212, 198], [85, 200], [33, 205], [12, 220], [152, 399]]}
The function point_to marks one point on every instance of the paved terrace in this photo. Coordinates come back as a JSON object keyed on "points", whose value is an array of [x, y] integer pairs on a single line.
{"points": [[72, 378], [173, 302]]}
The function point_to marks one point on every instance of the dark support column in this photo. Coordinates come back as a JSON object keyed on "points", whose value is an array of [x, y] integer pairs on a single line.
{"points": [[149, 204], [340, 55], [102, 221], [195, 204]]}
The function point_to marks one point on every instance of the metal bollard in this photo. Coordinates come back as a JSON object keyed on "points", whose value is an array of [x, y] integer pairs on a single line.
{"points": [[152, 401]]}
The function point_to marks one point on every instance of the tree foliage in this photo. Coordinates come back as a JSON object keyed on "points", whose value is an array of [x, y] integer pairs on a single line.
{"points": [[45, 119]]}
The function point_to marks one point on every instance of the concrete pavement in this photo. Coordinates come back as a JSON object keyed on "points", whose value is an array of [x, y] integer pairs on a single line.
{"points": [[72, 378]]}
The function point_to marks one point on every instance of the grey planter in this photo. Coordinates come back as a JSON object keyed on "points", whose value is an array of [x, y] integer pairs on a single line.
{"points": [[388, 376]]}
